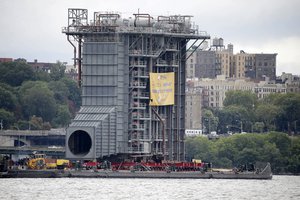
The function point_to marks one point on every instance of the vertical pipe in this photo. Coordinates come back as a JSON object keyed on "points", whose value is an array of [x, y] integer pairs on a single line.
{"points": [[163, 132], [79, 60], [74, 47]]}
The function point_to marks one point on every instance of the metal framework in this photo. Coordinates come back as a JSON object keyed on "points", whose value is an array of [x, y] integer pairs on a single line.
{"points": [[136, 47]]}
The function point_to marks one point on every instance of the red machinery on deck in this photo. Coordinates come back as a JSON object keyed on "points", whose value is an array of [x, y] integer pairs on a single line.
{"points": [[146, 166]]}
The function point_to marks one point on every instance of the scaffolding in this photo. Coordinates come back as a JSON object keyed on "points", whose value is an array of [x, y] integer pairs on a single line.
{"points": [[118, 55]]}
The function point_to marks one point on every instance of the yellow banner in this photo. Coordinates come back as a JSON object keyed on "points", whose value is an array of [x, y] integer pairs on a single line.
{"points": [[161, 89]]}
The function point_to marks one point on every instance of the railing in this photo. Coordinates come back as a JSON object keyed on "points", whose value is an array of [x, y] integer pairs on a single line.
{"points": [[139, 115], [125, 29], [137, 136], [137, 126], [140, 94], [138, 63], [32, 132], [138, 84], [136, 149], [145, 52], [165, 63], [138, 105], [140, 73]]}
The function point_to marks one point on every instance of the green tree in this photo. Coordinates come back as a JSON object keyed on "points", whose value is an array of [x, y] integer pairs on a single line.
{"points": [[23, 125], [74, 91], [42, 76], [281, 140], [37, 123], [294, 159], [7, 118], [63, 116], [245, 99], [270, 153], [8, 99], [60, 91], [199, 148], [15, 73], [237, 118], [227, 150], [290, 109], [74, 95], [247, 155], [240, 149], [37, 99], [267, 113], [57, 71], [239, 109], [258, 127], [209, 121]]}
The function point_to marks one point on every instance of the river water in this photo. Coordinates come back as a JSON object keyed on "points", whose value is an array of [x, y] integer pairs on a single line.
{"points": [[280, 187]]}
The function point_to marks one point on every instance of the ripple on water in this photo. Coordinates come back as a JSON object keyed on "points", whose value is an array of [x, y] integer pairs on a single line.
{"points": [[280, 187]]}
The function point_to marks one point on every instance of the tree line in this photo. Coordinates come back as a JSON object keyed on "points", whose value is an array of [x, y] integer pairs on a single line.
{"points": [[35, 100], [244, 112], [281, 150]]}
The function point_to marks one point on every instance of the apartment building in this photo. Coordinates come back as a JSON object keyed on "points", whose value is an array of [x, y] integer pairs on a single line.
{"points": [[207, 65], [193, 108], [219, 60], [214, 90], [191, 64], [265, 66], [292, 82]]}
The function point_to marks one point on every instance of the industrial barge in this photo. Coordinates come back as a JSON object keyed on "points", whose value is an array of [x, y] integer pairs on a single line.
{"points": [[138, 170]]}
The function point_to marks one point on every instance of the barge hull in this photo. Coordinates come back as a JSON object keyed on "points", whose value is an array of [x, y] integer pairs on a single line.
{"points": [[266, 173]]}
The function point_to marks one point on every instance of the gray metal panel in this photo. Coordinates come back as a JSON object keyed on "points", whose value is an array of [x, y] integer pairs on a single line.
{"points": [[96, 109], [105, 81], [100, 123], [105, 142], [122, 102], [99, 73]]}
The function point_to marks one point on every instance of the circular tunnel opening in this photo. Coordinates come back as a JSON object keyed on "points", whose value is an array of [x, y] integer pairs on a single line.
{"points": [[80, 143]]}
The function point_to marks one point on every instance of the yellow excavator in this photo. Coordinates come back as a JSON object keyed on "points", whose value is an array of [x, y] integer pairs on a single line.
{"points": [[39, 161]]}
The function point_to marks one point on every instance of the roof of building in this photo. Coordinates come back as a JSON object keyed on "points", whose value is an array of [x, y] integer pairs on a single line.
{"points": [[91, 116]]}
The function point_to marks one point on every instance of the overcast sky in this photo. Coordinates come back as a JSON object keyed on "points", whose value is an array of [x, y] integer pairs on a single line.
{"points": [[31, 29]]}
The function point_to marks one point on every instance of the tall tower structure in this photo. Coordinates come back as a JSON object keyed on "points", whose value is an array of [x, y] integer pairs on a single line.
{"points": [[127, 68]]}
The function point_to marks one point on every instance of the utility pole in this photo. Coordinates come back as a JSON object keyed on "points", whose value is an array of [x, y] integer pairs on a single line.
{"points": [[208, 125], [241, 126]]}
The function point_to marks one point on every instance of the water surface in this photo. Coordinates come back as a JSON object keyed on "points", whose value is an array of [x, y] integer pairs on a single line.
{"points": [[280, 187]]}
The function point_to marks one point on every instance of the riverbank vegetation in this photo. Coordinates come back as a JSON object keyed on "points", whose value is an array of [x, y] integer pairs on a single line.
{"points": [[243, 111], [36, 99], [271, 124], [281, 150]]}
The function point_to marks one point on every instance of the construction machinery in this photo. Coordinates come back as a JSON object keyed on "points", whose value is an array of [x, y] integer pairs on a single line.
{"points": [[39, 161]]}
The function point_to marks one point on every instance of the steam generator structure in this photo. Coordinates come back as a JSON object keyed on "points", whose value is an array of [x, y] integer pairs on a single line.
{"points": [[132, 75]]}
